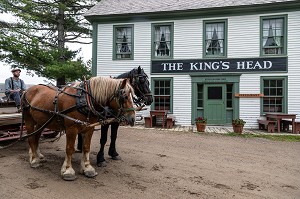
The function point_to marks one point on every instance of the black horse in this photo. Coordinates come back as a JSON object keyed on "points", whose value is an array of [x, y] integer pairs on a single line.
{"points": [[139, 81]]}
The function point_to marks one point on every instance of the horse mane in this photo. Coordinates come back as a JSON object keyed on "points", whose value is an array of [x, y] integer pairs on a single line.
{"points": [[127, 74], [103, 88]]}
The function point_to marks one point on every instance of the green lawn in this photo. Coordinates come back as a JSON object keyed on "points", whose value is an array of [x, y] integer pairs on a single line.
{"points": [[287, 138]]}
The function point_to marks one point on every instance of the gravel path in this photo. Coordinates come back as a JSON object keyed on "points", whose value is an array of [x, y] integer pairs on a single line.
{"points": [[161, 164]]}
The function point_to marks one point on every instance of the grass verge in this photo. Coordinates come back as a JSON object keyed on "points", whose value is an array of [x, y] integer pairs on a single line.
{"points": [[286, 138]]}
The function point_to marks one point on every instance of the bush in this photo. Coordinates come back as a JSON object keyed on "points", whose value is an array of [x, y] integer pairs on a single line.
{"points": [[238, 122]]}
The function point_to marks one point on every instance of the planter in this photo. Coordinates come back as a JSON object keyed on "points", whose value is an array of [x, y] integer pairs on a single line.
{"points": [[238, 128], [200, 126]]}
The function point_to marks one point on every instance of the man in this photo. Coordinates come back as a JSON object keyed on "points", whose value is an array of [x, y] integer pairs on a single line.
{"points": [[14, 87]]}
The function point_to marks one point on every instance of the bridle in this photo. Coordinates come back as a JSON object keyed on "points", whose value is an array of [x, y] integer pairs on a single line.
{"points": [[120, 97], [136, 84]]}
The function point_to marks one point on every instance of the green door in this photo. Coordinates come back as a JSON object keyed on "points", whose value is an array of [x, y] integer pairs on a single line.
{"points": [[214, 103]]}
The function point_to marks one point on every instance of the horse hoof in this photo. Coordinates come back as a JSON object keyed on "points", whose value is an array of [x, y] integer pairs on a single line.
{"points": [[90, 174], [34, 164], [102, 164], [116, 157], [69, 177]]}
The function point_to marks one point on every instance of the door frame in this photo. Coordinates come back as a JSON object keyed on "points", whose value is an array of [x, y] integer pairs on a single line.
{"points": [[222, 79]]}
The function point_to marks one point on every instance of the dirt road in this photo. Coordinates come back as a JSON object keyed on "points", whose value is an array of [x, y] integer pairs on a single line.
{"points": [[161, 164]]}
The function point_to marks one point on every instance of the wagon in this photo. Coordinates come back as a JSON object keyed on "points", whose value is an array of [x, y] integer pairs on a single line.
{"points": [[10, 123]]}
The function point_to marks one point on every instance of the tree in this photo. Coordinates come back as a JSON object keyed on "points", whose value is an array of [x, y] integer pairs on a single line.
{"points": [[36, 39]]}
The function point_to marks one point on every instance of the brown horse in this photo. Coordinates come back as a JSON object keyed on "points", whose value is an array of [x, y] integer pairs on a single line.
{"points": [[58, 110]]}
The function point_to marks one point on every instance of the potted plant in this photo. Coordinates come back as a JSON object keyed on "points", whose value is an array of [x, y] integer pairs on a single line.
{"points": [[200, 123], [238, 125]]}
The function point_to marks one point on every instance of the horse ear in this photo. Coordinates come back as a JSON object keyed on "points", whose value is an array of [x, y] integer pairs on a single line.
{"points": [[139, 70], [124, 82]]}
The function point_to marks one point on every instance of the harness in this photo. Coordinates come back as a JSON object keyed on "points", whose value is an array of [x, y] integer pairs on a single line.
{"points": [[134, 77], [85, 103]]}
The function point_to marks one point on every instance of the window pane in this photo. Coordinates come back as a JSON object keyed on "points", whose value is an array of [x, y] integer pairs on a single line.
{"points": [[273, 98], [200, 95], [214, 38], [214, 92], [162, 95], [273, 36], [162, 41], [123, 42], [229, 93]]}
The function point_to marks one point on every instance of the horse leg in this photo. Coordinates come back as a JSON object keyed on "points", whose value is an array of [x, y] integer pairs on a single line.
{"points": [[86, 167], [79, 143], [100, 156], [33, 141], [37, 138], [112, 148], [67, 171]]}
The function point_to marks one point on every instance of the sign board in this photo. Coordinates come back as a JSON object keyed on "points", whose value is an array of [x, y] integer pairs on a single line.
{"points": [[247, 65], [248, 95]]}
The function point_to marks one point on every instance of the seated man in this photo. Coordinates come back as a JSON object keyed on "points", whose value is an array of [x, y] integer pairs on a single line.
{"points": [[14, 87]]}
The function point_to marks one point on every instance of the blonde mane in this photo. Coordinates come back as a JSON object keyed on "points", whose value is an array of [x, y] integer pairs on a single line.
{"points": [[103, 88]]}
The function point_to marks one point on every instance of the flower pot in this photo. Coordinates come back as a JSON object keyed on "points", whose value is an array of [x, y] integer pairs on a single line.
{"points": [[238, 128], [200, 126]]}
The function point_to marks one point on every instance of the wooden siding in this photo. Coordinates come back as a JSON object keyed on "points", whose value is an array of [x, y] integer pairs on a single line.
{"points": [[294, 63], [188, 39], [182, 103], [106, 66], [243, 41]]}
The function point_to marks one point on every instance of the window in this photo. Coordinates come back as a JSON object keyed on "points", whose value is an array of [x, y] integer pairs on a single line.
{"points": [[162, 94], [229, 94], [273, 33], [162, 45], [274, 95], [123, 42], [215, 93], [215, 38], [200, 95]]}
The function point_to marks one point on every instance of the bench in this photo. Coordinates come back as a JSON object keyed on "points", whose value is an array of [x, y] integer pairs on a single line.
{"points": [[270, 124], [286, 125], [148, 122], [170, 122]]}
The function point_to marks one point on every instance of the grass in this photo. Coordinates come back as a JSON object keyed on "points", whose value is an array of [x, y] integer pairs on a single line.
{"points": [[285, 138]]}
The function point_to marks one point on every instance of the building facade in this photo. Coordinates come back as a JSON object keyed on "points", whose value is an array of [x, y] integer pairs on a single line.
{"points": [[226, 60]]}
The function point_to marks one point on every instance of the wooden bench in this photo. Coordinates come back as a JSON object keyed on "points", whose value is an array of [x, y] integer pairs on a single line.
{"points": [[286, 125], [148, 122], [170, 122], [270, 124]]}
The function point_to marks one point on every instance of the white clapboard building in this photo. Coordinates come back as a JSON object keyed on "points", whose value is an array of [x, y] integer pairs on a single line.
{"points": [[218, 59]]}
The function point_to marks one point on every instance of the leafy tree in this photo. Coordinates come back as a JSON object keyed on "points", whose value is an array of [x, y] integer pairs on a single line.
{"points": [[36, 38]]}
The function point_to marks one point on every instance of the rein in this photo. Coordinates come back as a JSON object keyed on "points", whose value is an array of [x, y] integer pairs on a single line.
{"points": [[102, 117]]}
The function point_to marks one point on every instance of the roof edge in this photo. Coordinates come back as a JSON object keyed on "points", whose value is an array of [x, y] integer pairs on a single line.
{"points": [[216, 11]]}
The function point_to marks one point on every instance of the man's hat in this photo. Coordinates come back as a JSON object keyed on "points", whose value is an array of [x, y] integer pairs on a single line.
{"points": [[15, 69]]}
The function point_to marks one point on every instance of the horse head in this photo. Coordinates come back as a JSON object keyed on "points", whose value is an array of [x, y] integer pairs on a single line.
{"points": [[141, 86], [122, 101]]}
